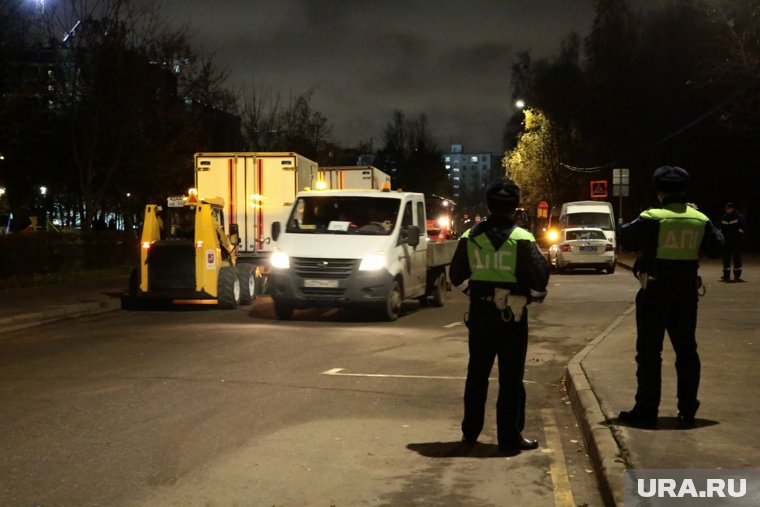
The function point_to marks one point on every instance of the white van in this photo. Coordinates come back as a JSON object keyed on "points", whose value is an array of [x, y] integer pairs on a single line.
{"points": [[589, 214], [356, 248]]}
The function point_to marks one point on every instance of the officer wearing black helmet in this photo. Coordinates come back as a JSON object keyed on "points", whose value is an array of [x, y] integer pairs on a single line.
{"points": [[669, 240], [501, 268]]}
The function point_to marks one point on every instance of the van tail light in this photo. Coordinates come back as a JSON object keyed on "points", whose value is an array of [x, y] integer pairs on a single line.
{"points": [[608, 247], [564, 248]]}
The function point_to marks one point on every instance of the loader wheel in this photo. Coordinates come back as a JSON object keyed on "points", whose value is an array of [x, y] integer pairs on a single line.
{"points": [[247, 283], [228, 288], [439, 290], [282, 311]]}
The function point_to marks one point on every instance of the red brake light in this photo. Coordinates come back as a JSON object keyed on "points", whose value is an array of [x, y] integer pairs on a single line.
{"points": [[608, 247], [564, 248]]}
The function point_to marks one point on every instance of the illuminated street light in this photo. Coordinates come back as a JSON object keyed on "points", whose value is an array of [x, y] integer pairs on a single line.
{"points": [[520, 104], [43, 190], [2, 191]]}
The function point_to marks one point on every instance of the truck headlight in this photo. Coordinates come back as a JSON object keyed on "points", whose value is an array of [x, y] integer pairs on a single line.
{"points": [[443, 222], [372, 262], [280, 260]]}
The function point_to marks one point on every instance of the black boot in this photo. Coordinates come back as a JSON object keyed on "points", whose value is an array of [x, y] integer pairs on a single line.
{"points": [[518, 444], [686, 418], [726, 276], [738, 275], [639, 419]]}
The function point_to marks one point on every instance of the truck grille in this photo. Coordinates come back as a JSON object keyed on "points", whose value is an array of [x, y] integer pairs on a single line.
{"points": [[323, 293], [323, 268]]}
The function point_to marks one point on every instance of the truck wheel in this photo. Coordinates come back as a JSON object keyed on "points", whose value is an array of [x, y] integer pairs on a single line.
{"points": [[247, 283], [392, 308], [228, 288], [439, 290], [283, 311]]}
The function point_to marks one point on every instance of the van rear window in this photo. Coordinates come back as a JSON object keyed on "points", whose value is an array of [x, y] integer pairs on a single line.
{"points": [[600, 220]]}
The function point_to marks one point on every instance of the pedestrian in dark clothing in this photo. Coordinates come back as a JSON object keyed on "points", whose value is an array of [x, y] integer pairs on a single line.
{"points": [[669, 240], [502, 269], [732, 227]]}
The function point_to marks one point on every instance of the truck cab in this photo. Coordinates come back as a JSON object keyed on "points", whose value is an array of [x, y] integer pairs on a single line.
{"points": [[352, 248]]}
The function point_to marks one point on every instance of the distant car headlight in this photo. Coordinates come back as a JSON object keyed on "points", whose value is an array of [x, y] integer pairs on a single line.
{"points": [[280, 260], [443, 222], [552, 235], [372, 262]]}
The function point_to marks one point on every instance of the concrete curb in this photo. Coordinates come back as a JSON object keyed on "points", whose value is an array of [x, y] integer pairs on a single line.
{"points": [[603, 448], [33, 319]]}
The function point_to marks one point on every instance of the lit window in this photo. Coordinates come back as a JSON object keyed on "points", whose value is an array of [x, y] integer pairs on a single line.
{"points": [[456, 169], [448, 158], [448, 166], [474, 158]]}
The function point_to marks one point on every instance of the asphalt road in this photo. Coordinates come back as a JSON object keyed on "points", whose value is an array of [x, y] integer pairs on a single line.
{"points": [[209, 407]]}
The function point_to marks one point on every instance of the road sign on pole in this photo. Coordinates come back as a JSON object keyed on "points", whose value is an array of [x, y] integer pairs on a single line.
{"points": [[620, 188], [599, 189]]}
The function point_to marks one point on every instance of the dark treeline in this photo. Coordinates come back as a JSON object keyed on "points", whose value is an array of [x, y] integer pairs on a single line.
{"points": [[103, 103], [674, 85]]}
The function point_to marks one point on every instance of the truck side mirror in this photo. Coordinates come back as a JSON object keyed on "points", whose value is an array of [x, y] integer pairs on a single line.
{"points": [[413, 235], [276, 230], [234, 234]]}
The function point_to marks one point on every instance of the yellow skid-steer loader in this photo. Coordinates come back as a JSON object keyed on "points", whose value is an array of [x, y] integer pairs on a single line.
{"points": [[187, 258]]}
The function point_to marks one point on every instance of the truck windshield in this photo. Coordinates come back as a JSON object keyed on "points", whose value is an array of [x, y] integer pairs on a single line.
{"points": [[331, 214], [600, 220]]}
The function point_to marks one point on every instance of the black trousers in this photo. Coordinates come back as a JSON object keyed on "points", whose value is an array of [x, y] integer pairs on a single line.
{"points": [[733, 253], [672, 308], [491, 337]]}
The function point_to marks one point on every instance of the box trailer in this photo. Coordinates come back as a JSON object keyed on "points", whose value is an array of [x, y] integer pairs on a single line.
{"points": [[355, 177], [258, 189]]}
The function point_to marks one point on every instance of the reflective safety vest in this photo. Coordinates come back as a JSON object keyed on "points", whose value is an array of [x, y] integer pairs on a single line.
{"points": [[681, 231], [490, 265]]}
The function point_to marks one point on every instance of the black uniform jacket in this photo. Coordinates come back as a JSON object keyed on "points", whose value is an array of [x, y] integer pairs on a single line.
{"points": [[642, 235], [532, 269]]}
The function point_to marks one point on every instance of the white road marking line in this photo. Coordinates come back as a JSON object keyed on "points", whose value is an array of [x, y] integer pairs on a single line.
{"points": [[454, 324], [338, 372], [563, 494]]}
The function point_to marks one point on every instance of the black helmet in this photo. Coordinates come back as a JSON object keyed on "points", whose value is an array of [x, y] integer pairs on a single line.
{"points": [[670, 180], [502, 196]]}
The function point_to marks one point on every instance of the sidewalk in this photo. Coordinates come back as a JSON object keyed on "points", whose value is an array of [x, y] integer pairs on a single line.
{"points": [[32, 306], [602, 382]]}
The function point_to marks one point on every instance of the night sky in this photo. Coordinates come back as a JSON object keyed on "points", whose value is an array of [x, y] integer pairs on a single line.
{"points": [[364, 59]]}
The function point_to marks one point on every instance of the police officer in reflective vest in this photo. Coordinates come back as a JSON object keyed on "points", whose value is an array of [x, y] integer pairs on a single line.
{"points": [[669, 240], [502, 269]]}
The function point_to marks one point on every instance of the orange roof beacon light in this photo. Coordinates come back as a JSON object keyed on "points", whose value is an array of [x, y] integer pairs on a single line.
{"points": [[386, 186], [320, 185]]}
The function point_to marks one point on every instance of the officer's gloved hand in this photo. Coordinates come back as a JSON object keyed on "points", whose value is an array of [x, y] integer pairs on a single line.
{"points": [[537, 296]]}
